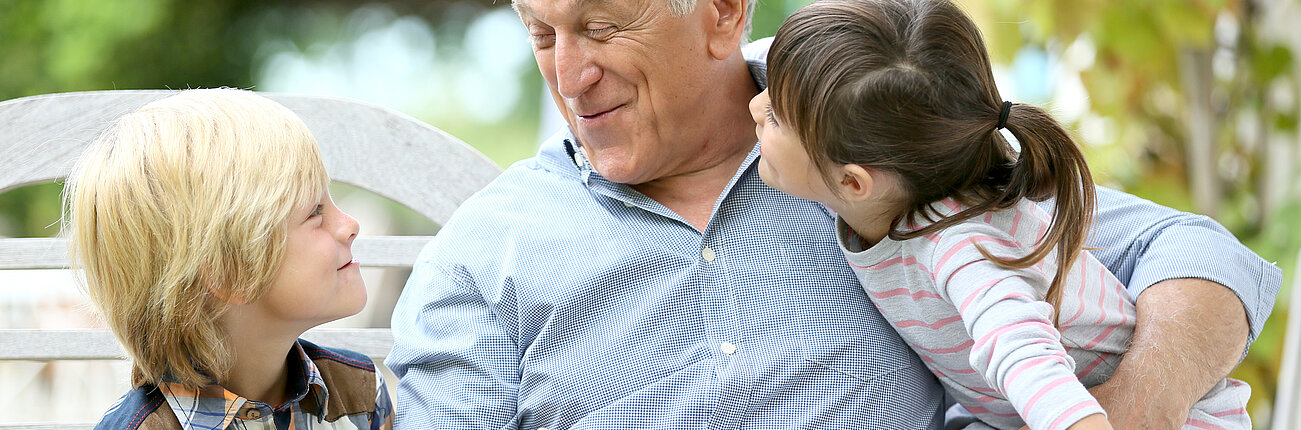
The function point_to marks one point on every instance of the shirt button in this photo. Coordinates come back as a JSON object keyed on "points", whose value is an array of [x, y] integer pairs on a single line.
{"points": [[727, 348], [707, 254], [628, 204], [254, 414]]}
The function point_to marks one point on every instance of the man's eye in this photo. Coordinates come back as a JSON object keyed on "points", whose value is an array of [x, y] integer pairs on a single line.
{"points": [[600, 32], [542, 40]]}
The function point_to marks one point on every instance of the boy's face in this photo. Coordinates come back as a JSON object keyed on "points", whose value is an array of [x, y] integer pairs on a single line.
{"points": [[319, 280], [784, 164]]}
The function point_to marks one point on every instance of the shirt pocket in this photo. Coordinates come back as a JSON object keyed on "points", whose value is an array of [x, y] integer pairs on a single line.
{"points": [[838, 326]]}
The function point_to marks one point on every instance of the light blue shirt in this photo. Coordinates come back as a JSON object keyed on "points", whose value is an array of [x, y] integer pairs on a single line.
{"points": [[555, 298]]}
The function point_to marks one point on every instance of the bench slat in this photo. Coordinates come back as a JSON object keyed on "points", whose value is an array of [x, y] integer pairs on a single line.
{"points": [[47, 426], [52, 253], [99, 344]]}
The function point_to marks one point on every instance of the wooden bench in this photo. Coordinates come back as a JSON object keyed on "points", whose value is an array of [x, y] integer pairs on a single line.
{"points": [[370, 147]]}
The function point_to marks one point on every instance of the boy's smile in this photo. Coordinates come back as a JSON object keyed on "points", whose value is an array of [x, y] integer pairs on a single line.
{"points": [[313, 286]]}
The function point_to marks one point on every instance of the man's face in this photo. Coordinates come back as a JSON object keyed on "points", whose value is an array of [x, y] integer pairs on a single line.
{"points": [[629, 78]]}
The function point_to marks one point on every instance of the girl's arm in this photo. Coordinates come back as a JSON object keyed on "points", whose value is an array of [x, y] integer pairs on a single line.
{"points": [[1015, 345], [1092, 422]]}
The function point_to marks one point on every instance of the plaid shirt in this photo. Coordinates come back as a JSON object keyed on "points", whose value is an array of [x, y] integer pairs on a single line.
{"points": [[310, 406]]}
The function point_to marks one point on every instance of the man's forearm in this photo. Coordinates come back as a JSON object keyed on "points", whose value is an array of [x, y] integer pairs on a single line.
{"points": [[1190, 335]]}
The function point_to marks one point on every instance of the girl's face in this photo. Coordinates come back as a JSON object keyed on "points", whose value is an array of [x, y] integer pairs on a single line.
{"points": [[319, 280], [783, 162]]}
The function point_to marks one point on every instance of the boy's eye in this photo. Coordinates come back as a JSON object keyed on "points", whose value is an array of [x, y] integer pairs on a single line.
{"points": [[771, 117], [316, 211]]}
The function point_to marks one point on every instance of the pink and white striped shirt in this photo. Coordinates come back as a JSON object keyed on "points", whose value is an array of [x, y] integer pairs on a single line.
{"points": [[986, 331]]}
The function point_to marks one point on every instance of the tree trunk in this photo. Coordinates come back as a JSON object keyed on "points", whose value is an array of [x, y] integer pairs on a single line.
{"points": [[1203, 177]]}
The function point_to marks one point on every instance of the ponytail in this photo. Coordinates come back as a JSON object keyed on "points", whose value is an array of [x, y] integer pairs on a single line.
{"points": [[1049, 165], [905, 87]]}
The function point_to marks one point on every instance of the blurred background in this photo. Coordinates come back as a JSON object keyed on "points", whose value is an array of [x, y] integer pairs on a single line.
{"points": [[1190, 103]]}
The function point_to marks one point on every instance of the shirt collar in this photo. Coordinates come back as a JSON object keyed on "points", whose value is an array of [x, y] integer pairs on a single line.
{"points": [[213, 406]]}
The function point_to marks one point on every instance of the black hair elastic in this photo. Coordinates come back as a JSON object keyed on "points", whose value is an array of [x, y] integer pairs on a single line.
{"points": [[1002, 115]]}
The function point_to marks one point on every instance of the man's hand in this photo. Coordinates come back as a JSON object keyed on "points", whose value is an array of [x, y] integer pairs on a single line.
{"points": [[1190, 335]]}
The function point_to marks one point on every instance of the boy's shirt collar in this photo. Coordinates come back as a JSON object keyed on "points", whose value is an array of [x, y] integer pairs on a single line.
{"points": [[214, 407]]}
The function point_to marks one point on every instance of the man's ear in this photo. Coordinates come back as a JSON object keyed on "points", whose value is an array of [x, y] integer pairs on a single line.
{"points": [[856, 182], [725, 24]]}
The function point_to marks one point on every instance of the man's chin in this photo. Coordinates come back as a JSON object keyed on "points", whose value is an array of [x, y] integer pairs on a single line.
{"points": [[620, 173]]}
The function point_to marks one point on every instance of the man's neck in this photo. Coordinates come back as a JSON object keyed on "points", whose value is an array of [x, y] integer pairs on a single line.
{"points": [[692, 194]]}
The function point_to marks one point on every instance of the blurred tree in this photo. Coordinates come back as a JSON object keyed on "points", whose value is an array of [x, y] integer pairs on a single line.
{"points": [[73, 45], [1204, 100]]}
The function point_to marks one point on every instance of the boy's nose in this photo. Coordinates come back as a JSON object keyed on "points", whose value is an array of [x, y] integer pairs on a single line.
{"points": [[348, 228]]}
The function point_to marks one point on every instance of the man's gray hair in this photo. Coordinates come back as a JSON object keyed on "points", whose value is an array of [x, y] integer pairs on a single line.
{"points": [[683, 7]]}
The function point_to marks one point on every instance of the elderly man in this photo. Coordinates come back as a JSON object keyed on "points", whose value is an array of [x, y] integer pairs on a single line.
{"points": [[638, 274]]}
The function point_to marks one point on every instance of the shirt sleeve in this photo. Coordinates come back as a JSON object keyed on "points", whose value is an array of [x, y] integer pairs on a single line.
{"points": [[383, 419], [456, 363], [1015, 344], [1143, 243]]}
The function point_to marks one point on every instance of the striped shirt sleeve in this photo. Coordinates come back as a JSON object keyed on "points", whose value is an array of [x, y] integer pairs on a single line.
{"points": [[1016, 347]]}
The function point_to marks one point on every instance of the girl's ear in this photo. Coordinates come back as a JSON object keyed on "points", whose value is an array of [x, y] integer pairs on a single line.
{"points": [[856, 183]]}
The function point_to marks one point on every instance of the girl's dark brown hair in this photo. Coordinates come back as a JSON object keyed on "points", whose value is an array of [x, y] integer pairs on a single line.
{"points": [[905, 87]]}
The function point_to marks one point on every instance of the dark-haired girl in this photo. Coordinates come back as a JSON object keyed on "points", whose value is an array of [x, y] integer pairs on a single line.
{"points": [[886, 111]]}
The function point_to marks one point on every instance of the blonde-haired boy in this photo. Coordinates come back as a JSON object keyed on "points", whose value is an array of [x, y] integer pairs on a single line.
{"points": [[209, 243]]}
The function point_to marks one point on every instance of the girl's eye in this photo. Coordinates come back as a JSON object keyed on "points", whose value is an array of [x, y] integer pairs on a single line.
{"points": [[316, 211], [771, 117]]}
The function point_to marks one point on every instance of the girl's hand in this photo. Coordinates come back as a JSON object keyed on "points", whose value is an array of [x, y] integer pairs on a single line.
{"points": [[1092, 422]]}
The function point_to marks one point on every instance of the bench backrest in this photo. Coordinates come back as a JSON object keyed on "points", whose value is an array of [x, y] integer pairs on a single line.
{"points": [[370, 147]]}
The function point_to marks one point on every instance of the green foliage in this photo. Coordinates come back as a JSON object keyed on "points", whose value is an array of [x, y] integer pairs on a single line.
{"points": [[30, 211], [1134, 83], [1139, 82]]}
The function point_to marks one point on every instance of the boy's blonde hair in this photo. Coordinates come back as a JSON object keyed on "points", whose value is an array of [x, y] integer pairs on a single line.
{"points": [[179, 207]]}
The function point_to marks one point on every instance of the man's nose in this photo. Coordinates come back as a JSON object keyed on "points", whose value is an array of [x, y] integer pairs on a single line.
{"points": [[575, 71]]}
